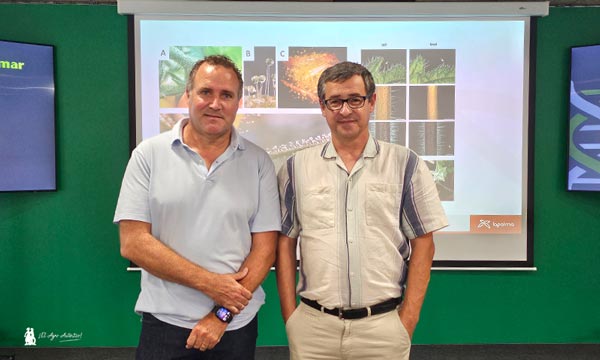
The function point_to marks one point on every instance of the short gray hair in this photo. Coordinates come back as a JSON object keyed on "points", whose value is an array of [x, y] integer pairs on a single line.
{"points": [[343, 71]]}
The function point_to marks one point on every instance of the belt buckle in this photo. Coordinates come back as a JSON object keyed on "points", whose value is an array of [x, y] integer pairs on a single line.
{"points": [[341, 312]]}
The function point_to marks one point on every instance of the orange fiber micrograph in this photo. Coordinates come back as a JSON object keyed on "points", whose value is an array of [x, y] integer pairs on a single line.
{"points": [[303, 73]]}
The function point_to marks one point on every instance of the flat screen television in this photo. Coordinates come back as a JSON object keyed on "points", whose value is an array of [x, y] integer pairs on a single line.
{"points": [[584, 119], [27, 123]]}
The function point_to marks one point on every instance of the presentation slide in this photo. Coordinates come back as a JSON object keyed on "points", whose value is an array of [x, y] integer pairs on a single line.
{"points": [[453, 90]]}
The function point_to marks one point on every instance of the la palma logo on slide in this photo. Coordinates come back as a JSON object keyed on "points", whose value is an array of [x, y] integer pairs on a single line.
{"points": [[496, 224]]}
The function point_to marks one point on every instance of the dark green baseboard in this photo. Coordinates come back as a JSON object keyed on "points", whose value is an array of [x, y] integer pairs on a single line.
{"points": [[419, 352]]}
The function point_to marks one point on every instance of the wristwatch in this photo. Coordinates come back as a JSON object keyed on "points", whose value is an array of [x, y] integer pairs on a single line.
{"points": [[222, 314]]}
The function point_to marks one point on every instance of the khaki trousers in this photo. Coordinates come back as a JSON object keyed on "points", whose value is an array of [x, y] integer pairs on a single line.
{"points": [[318, 336]]}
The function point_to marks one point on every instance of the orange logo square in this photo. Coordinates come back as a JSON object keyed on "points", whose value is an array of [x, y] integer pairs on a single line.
{"points": [[496, 224]]}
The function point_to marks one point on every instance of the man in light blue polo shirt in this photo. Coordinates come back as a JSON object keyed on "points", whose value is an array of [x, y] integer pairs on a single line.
{"points": [[199, 213]]}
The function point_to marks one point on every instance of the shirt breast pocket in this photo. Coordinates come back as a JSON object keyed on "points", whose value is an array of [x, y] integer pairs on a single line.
{"points": [[318, 208], [383, 204]]}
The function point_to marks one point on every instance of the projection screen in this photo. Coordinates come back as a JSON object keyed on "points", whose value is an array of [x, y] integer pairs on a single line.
{"points": [[452, 84]]}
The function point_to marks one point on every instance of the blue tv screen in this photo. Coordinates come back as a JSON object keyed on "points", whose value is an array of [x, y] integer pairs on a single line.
{"points": [[584, 119], [27, 123]]}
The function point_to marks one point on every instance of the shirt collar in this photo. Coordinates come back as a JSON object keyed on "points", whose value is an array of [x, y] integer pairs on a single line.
{"points": [[176, 132], [371, 149], [237, 142]]}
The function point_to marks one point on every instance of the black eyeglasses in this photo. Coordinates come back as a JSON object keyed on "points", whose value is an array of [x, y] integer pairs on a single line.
{"points": [[354, 102]]}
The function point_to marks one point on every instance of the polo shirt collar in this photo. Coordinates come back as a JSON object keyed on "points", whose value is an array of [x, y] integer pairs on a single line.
{"points": [[176, 132], [237, 142]]}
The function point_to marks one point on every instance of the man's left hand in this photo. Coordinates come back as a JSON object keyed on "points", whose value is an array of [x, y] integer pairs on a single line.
{"points": [[207, 333]]}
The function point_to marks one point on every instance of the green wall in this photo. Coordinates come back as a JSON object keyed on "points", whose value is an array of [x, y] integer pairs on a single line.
{"points": [[60, 268]]}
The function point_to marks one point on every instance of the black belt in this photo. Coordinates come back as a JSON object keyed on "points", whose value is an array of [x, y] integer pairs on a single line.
{"points": [[351, 314]]}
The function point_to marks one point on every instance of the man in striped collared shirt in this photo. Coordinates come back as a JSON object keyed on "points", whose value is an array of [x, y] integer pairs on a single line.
{"points": [[361, 208]]}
